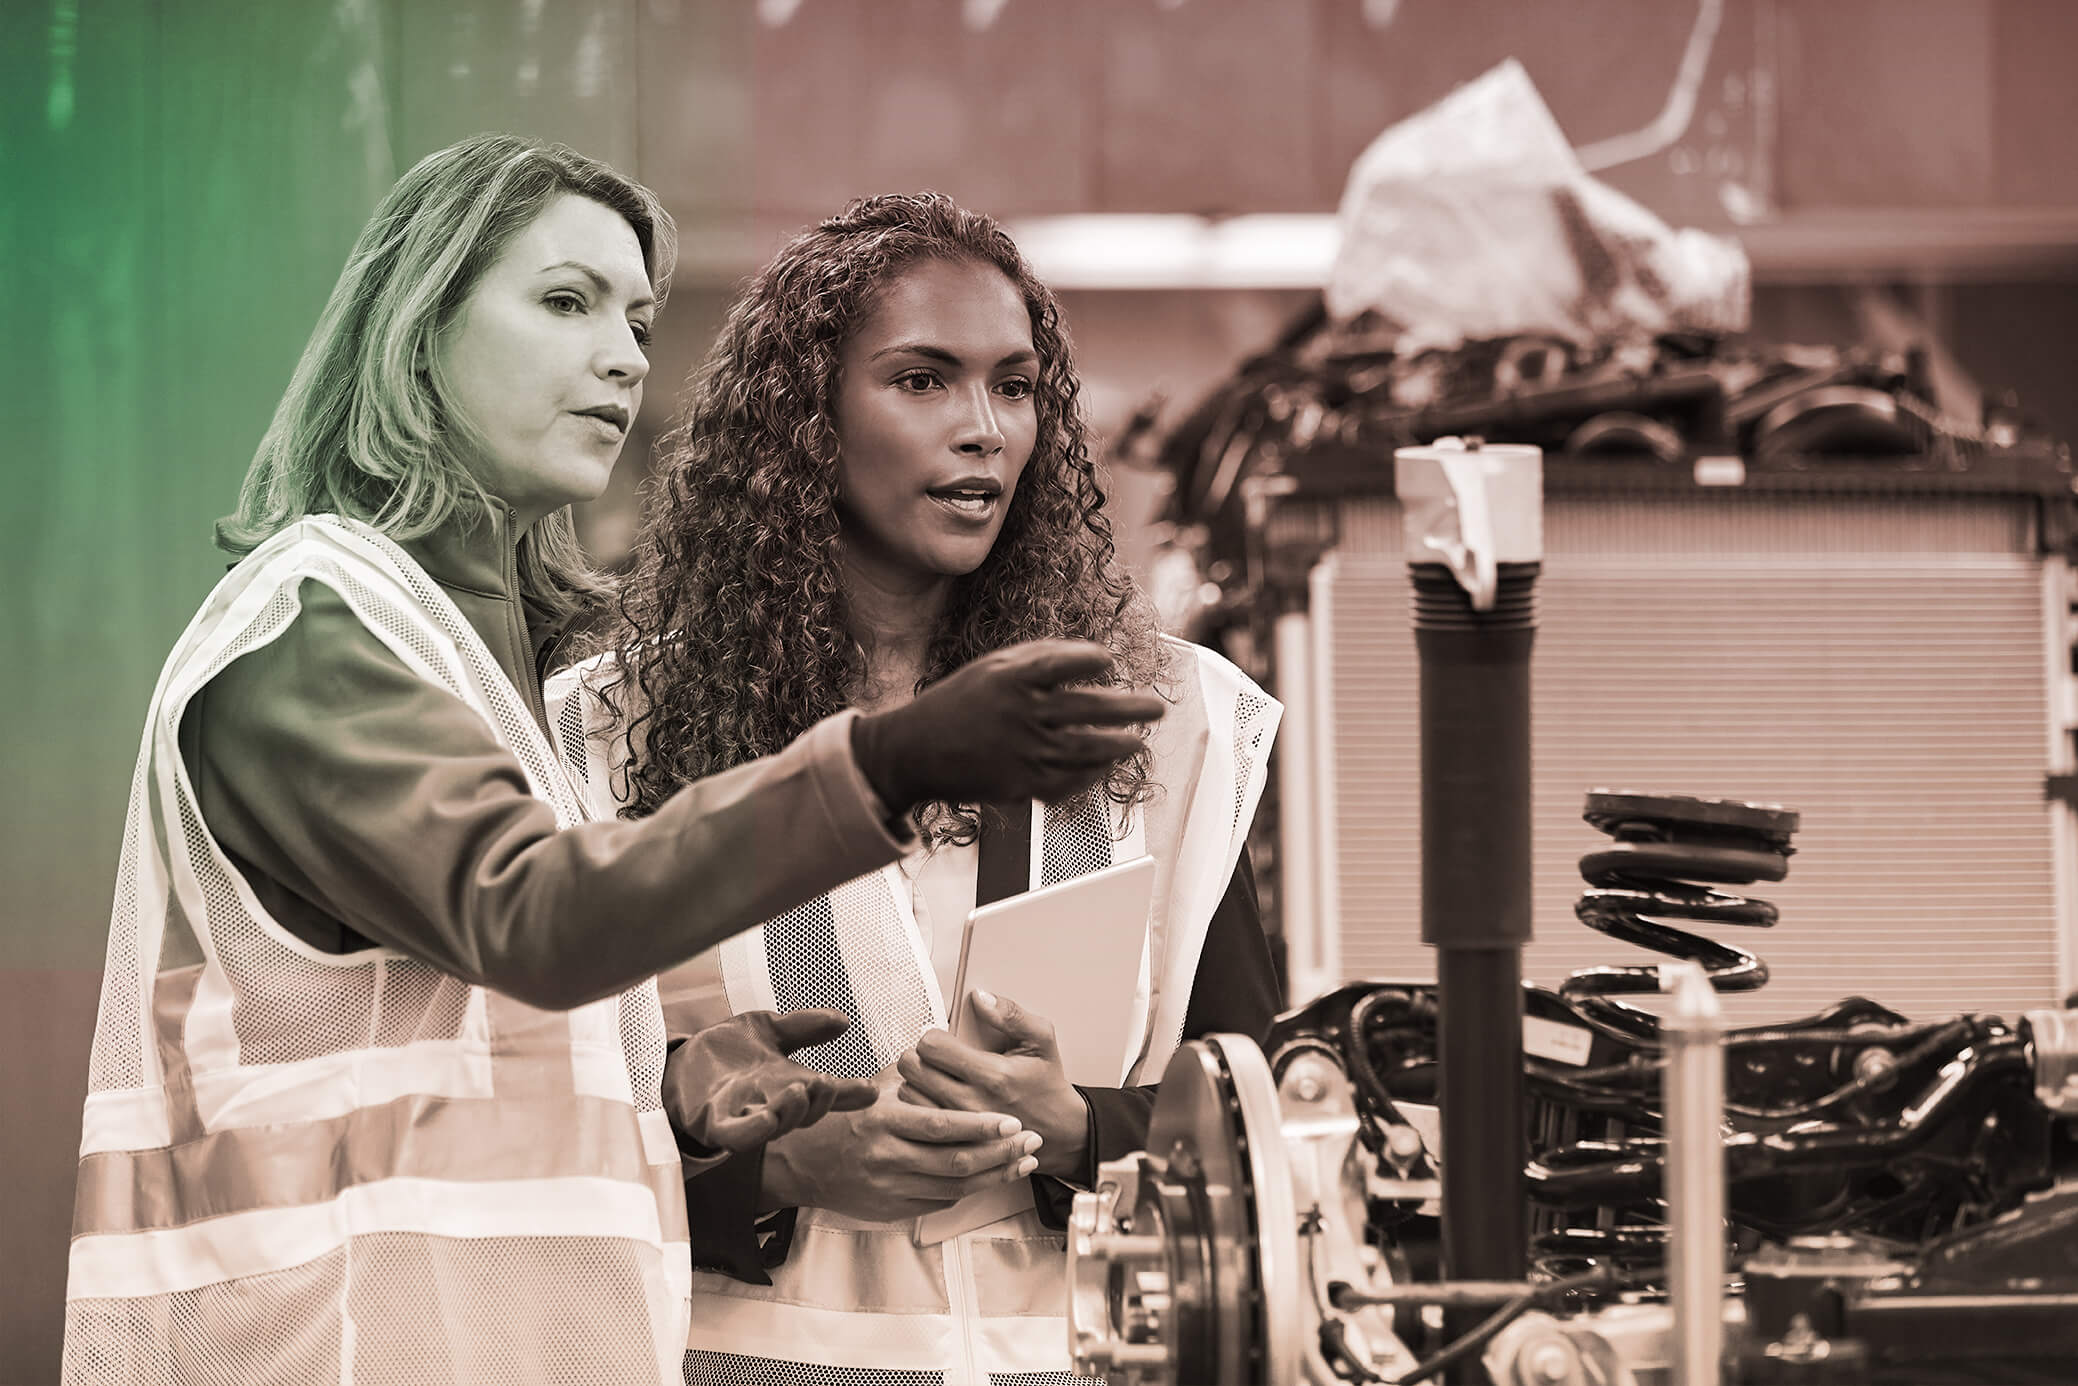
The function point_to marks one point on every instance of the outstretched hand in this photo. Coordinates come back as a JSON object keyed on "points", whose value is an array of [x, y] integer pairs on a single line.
{"points": [[731, 1087], [1019, 723], [1015, 1067]]}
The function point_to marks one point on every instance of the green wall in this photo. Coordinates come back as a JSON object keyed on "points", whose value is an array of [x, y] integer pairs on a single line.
{"points": [[182, 183]]}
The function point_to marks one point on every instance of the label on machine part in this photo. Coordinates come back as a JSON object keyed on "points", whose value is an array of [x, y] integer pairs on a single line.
{"points": [[1561, 1044]]}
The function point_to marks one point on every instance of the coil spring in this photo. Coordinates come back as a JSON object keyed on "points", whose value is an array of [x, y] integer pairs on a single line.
{"points": [[1669, 854]]}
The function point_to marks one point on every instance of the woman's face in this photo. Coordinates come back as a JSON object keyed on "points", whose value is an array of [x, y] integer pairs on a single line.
{"points": [[545, 358], [935, 421]]}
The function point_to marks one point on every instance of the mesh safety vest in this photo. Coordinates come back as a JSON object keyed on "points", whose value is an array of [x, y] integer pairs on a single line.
{"points": [[860, 1303], [304, 1166]]}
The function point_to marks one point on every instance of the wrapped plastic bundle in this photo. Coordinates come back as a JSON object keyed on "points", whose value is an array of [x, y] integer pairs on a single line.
{"points": [[1474, 219]]}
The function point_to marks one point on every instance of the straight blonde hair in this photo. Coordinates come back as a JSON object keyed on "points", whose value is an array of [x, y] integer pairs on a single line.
{"points": [[363, 429]]}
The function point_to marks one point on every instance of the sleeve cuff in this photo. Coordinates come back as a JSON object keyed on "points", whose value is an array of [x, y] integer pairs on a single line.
{"points": [[1118, 1123], [1121, 1130], [694, 1160], [855, 812], [721, 1217]]}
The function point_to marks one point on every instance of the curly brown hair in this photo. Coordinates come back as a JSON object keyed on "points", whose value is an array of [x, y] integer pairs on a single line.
{"points": [[735, 627]]}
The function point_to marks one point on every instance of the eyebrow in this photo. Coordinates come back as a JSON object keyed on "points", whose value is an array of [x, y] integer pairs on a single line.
{"points": [[1019, 357], [599, 281]]}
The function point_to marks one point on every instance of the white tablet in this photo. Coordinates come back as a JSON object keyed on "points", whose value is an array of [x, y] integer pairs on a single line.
{"points": [[1068, 952]]}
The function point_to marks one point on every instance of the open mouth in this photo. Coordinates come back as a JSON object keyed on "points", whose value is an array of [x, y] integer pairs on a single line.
{"points": [[973, 497], [966, 502]]}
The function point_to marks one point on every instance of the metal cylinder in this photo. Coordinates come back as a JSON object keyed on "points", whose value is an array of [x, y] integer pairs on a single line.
{"points": [[1298, 827], [1475, 885], [1475, 544], [1475, 758], [1693, 1031]]}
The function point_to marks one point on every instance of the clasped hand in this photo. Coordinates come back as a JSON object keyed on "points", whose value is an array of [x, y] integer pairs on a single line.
{"points": [[1015, 1068], [894, 1160]]}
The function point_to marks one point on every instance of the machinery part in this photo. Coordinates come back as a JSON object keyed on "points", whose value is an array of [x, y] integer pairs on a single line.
{"points": [[1480, 511], [1613, 1348], [1358, 1032], [1960, 1097], [2053, 1040], [1695, 1171], [1695, 393], [1851, 1119], [1331, 1179], [1169, 1258], [1187, 1266], [1795, 1296], [2002, 1296], [1840, 421], [1624, 434], [1311, 948], [1669, 851], [1531, 363]]}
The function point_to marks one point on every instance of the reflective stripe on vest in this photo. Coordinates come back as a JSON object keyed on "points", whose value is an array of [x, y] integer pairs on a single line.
{"points": [[864, 1296], [370, 1165]]}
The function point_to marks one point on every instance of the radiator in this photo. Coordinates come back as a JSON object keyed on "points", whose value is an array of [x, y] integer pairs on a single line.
{"points": [[1891, 667]]}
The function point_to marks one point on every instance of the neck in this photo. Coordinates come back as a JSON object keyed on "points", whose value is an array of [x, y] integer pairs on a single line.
{"points": [[893, 617]]}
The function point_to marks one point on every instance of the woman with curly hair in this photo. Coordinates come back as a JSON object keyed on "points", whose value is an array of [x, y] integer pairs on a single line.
{"points": [[881, 474]]}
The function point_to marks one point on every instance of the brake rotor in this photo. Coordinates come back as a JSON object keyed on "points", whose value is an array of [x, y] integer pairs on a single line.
{"points": [[1215, 1134], [1183, 1263]]}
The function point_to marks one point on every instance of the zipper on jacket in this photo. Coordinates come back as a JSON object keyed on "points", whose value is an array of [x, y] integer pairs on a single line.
{"points": [[529, 682]]}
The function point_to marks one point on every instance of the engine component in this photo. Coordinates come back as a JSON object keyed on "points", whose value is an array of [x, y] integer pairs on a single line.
{"points": [[2055, 1037], [1998, 1301], [1169, 1258], [1695, 1171], [1841, 421], [1669, 851], [1223, 1261], [1475, 546], [1851, 1120], [1621, 433]]}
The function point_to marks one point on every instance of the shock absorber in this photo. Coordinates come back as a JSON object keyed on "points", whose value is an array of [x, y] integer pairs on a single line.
{"points": [[1670, 853], [1475, 544]]}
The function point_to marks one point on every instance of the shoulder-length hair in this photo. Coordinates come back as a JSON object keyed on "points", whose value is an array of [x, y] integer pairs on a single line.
{"points": [[735, 632], [364, 429]]}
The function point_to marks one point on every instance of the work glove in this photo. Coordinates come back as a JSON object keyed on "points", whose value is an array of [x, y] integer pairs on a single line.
{"points": [[1004, 728], [731, 1087]]}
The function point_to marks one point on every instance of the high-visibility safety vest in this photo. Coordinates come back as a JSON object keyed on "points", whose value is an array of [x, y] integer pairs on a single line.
{"points": [[314, 1167], [860, 1303]]}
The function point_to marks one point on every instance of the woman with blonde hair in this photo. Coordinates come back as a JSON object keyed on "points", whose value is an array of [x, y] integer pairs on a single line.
{"points": [[881, 475], [379, 1089]]}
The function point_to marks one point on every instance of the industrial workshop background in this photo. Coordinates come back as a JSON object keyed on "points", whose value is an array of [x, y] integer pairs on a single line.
{"points": [[188, 174]]}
